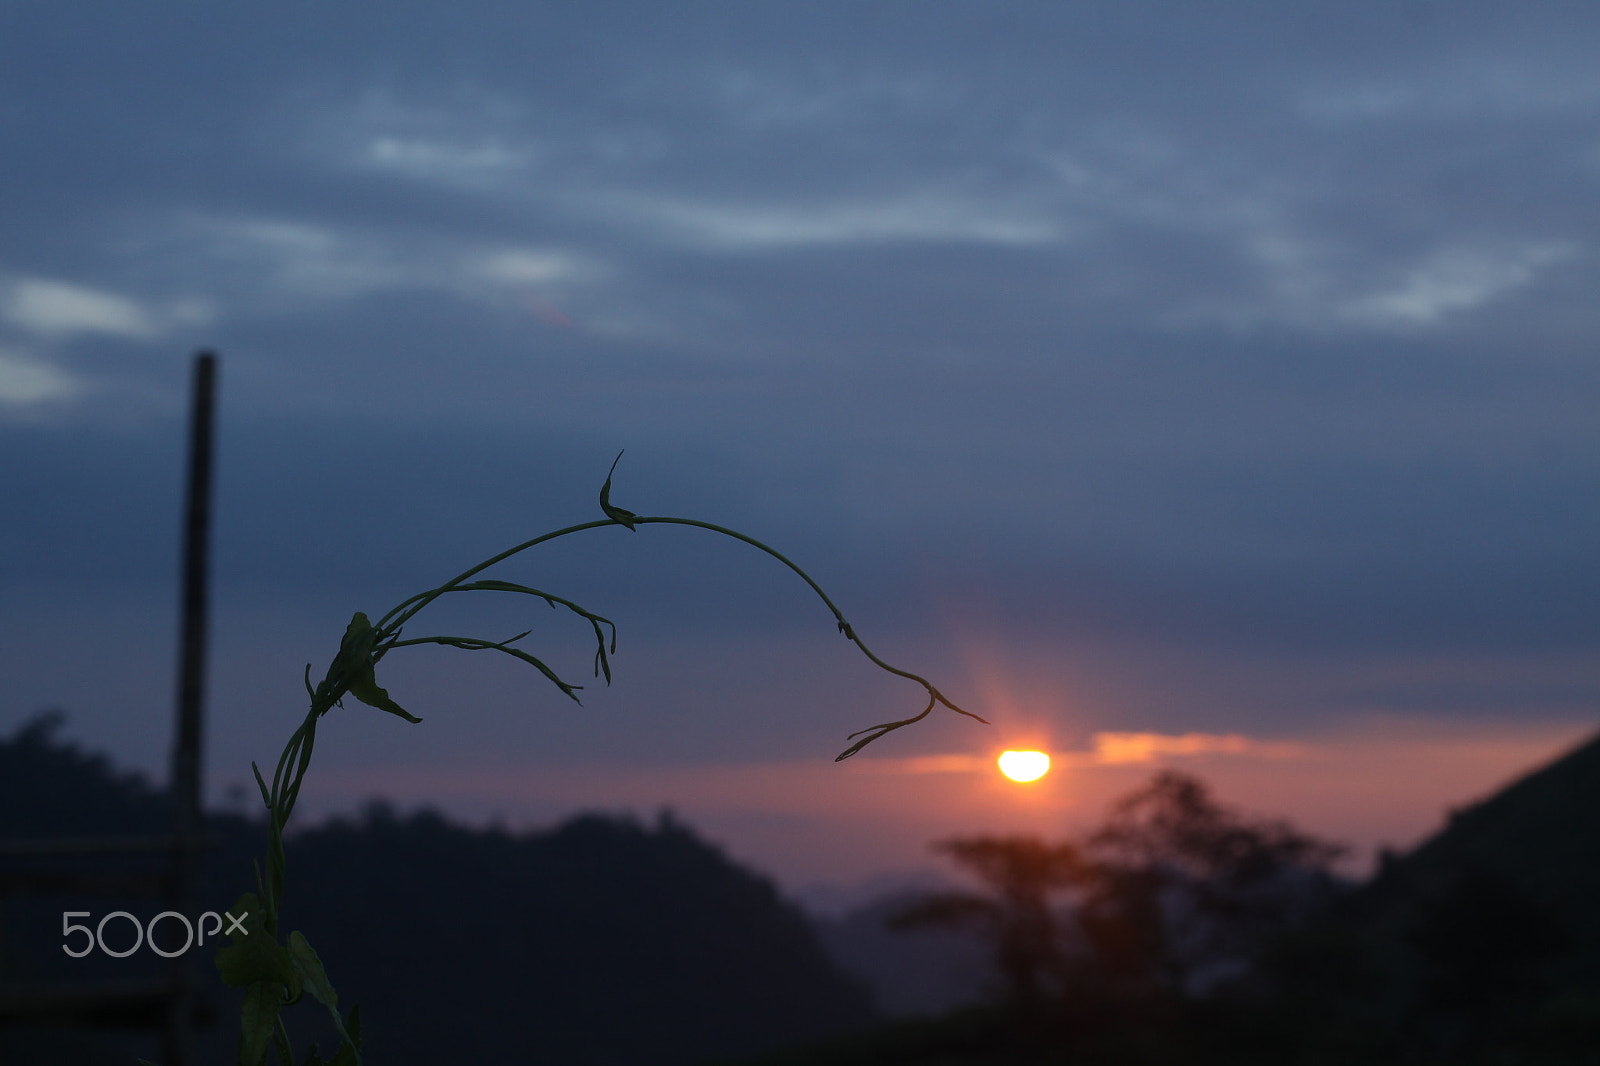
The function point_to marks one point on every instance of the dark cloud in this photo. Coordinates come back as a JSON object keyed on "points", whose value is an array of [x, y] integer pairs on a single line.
{"points": [[1265, 329]]}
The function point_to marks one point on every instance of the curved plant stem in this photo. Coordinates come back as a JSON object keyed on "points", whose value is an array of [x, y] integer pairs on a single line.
{"points": [[871, 733], [276, 976]]}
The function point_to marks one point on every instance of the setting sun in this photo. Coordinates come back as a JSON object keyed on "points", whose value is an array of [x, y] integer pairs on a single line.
{"points": [[1024, 765]]}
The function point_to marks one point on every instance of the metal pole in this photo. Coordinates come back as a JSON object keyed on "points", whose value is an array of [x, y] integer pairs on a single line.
{"points": [[191, 684]]}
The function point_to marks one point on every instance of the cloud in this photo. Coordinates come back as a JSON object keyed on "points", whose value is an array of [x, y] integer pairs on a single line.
{"points": [[1332, 286], [1454, 280], [293, 256], [61, 309], [264, 261], [761, 97], [446, 162], [57, 310], [912, 216], [469, 139], [24, 381], [1372, 782], [1502, 90], [926, 287], [1110, 749], [526, 266]]}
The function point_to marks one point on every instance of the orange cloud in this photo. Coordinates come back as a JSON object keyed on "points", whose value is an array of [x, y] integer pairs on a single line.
{"points": [[1115, 748], [1110, 749]]}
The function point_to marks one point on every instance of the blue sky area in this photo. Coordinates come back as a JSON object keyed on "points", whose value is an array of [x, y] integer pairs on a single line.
{"points": [[1215, 369]]}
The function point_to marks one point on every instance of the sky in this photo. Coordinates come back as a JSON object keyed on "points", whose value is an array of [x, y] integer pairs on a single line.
{"points": [[1206, 386]]}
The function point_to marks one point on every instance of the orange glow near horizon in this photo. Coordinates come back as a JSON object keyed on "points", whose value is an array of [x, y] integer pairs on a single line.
{"points": [[1371, 781], [1024, 765]]}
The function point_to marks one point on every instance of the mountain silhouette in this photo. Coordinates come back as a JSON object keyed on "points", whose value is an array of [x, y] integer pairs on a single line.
{"points": [[1494, 922], [1539, 837], [604, 940], [601, 941], [1480, 946]]}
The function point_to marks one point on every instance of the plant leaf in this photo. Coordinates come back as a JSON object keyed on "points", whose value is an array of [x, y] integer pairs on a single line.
{"points": [[315, 979], [479, 644], [258, 1021], [251, 957], [601, 663], [366, 689], [349, 1053], [309, 967], [280, 1044], [355, 659], [616, 514], [489, 584]]}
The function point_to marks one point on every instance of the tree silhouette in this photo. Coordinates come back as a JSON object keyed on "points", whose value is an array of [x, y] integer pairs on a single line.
{"points": [[1173, 821], [1186, 889], [1020, 919], [1173, 893]]}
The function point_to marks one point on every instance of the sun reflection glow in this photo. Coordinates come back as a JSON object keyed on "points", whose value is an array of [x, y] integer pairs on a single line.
{"points": [[1024, 765]]}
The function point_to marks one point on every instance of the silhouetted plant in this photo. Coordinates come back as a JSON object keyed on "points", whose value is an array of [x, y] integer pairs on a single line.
{"points": [[1174, 821], [1020, 918], [1186, 886], [276, 974], [1171, 890]]}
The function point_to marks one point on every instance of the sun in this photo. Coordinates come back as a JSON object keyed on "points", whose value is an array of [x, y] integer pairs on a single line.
{"points": [[1024, 765]]}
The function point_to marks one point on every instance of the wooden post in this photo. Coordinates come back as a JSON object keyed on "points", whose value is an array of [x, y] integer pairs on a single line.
{"points": [[187, 827], [170, 1005]]}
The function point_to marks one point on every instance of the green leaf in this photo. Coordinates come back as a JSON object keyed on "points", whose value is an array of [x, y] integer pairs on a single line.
{"points": [[616, 514], [252, 957], [479, 644], [315, 980], [309, 967], [349, 1053], [357, 645], [364, 687], [355, 659], [489, 584], [280, 1045], [258, 1020]]}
